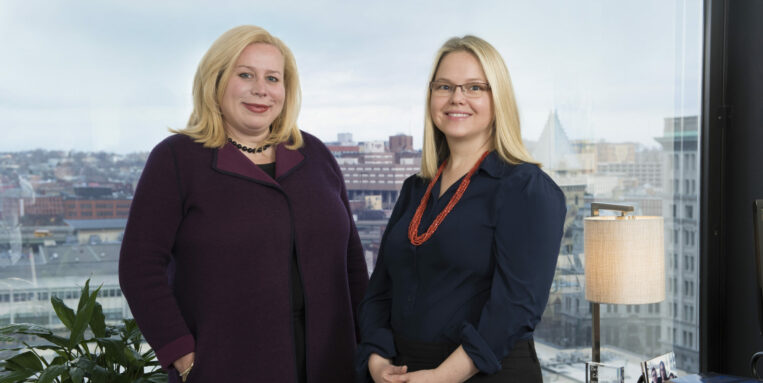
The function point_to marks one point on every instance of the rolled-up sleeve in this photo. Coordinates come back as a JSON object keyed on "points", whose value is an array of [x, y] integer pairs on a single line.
{"points": [[531, 211], [374, 313], [155, 215]]}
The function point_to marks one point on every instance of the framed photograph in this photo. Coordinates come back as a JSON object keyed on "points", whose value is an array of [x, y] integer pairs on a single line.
{"points": [[660, 369]]}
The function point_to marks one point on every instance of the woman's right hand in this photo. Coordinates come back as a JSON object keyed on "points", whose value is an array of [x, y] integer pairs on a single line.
{"points": [[184, 362], [383, 371]]}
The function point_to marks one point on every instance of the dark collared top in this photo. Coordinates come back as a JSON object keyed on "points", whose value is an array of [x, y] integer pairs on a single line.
{"points": [[482, 280], [231, 231]]}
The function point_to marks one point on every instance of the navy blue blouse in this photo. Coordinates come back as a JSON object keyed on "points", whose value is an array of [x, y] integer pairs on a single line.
{"points": [[481, 281]]}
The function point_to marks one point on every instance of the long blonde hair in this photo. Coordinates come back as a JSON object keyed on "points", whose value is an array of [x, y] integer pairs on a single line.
{"points": [[506, 136], [206, 122]]}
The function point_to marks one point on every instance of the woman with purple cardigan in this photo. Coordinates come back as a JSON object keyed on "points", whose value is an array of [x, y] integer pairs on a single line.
{"points": [[241, 260]]}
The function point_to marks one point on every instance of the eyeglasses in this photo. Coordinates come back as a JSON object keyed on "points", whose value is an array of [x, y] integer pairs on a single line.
{"points": [[470, 89]]}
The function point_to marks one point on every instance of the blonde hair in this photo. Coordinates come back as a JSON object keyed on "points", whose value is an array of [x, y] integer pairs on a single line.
{"points": [[506, 136], [206, 122]]}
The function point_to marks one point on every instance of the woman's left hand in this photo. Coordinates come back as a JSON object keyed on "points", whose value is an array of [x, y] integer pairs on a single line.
{"points": [[424, 376]]}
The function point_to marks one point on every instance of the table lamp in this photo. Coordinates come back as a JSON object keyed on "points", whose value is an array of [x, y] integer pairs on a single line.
{"points": [[624, 262]]}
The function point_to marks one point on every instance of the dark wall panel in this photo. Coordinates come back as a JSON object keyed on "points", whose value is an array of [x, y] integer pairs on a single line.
{"points": [[743, 182]]}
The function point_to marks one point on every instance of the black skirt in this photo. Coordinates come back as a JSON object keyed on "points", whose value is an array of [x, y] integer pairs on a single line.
{"points": [[521, 365]]}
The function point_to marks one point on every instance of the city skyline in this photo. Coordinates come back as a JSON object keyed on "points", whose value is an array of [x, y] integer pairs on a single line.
{"points": [[62, 222], [113, 77]]}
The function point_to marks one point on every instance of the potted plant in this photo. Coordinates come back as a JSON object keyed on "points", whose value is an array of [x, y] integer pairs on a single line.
{"points": [[104, 354]]}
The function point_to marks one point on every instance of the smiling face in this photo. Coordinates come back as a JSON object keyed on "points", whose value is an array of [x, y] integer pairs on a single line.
{"points": [[459, 117], [255, 93]]}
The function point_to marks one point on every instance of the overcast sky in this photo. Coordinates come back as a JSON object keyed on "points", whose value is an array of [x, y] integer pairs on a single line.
{"points": [[113, 76]]}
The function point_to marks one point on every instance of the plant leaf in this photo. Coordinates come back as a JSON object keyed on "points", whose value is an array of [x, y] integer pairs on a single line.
{"points": [[46, 347], [55, 339], [114, 350], [98, 321], [15, 376], [159, 377], [92, 370], [51, 373], [83, 316], [24, 328], [6, 338], [64, 312], [77, 374], [133, 358], [132, 332], [84, 295], [24, 361], [149, 355], [58, 360]]}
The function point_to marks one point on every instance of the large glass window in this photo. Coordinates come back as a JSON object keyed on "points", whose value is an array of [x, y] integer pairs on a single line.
{"points": [[609, 103]]}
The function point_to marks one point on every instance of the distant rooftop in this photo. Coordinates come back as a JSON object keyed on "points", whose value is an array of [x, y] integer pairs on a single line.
{"points": [[94, 224], [685, 126], [68, 260], [553, 149]]}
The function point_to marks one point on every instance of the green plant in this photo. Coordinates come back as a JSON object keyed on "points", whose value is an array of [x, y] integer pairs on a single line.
{"points": [[104, 354]]}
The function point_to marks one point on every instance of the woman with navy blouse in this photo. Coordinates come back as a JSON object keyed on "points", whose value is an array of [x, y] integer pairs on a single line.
{"points": [[468, 256]]}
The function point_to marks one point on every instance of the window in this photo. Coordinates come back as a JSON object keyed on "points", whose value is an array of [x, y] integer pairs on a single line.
{"points": [[578, 70]]}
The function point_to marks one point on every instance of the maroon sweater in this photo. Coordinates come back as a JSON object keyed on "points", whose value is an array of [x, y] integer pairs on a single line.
{"points": [[223, 231]]}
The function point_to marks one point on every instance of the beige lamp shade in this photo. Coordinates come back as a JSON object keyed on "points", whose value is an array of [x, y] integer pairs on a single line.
{"points": [[624, 259]]}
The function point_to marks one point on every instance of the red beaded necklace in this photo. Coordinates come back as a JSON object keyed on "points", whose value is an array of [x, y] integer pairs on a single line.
{"points": [[413, 228]]}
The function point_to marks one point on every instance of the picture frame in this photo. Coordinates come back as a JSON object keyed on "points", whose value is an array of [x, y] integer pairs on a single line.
{"points": [[660, 369], [604, 373]]}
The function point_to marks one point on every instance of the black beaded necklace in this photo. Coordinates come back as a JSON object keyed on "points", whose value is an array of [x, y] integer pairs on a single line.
{"points": [[246, 149]]}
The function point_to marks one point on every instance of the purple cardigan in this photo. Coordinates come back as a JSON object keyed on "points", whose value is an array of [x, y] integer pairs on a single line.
{"points": [[223, 232]]}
